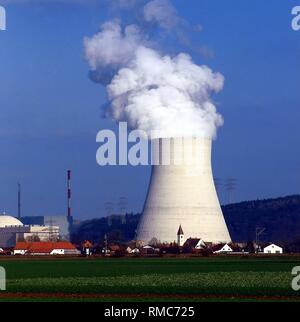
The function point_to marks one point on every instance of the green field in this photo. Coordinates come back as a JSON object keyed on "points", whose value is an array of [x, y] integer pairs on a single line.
{"points": [[218, 278]]}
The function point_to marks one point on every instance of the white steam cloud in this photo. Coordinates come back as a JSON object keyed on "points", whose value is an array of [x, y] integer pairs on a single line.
{"points": [[153, 92], [161, 12], [112, 45]]}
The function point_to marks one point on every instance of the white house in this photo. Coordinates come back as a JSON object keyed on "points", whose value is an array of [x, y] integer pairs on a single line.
{"points": [[222, 249], [195, 243], [20, 251], [58, 252], [273, 249], [135, 251], [200, 244]]}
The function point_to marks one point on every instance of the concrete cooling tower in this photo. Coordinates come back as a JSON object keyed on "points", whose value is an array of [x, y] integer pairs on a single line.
{"points": [[182, 192]]}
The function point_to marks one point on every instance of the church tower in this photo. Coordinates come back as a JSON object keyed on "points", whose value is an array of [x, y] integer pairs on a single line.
{"points": [[180, 237]]}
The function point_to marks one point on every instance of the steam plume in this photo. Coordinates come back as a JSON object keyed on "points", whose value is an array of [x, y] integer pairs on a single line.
{"points": [[149, 90]]}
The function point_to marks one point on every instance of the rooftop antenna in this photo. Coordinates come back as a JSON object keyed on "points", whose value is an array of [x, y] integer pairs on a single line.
{"points": [[19, 201]]}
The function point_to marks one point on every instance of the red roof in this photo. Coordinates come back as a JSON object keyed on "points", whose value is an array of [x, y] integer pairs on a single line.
{"points": [[114, 248], [43, 247], [87, 244]]}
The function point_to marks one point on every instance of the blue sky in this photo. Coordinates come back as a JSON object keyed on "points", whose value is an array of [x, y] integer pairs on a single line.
{"points": [[50, 112]]}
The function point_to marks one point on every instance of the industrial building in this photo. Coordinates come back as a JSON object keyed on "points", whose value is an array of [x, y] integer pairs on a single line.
{"points": [[182, 193], [64, 223], [13, 230]]}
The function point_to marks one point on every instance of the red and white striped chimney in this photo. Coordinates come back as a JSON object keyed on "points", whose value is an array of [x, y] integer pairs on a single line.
{"points": [[69, 193]]}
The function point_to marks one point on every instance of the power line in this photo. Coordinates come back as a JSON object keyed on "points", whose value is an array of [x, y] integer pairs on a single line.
{"points": [[218, 184], [230, 187], [123, 204], [109, 208], [258, 232]]}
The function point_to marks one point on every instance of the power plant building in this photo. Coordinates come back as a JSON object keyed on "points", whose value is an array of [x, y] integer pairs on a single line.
{"points": [[182, 192], [12, 231], [64, 223]]}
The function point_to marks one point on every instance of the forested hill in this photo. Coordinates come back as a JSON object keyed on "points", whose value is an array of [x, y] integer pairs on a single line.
{"points": [[280, 217]]}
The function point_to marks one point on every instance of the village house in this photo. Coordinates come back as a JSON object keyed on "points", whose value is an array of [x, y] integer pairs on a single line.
{"points": [[273, 249], [221, 249], [87, 248], [195, 243]]}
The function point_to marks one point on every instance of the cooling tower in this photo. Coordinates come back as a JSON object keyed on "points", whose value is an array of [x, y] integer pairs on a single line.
{"points": [[182, 192]]}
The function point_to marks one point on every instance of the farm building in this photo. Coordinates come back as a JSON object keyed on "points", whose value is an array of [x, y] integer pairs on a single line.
{"points": [[195, 243], [273, 249], [45, 248], [221, 248]]}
